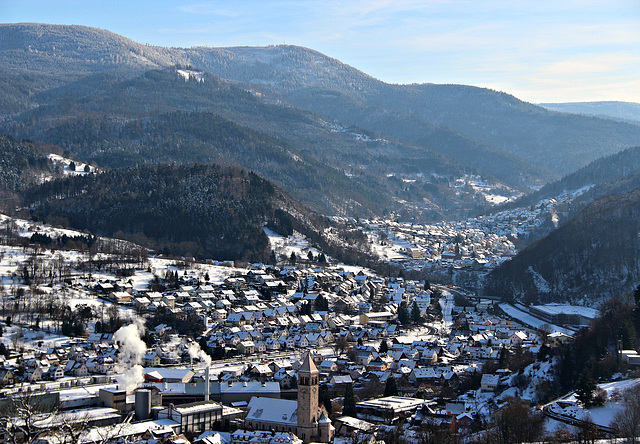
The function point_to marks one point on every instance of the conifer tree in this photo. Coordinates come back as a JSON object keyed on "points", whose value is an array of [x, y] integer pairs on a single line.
{"points": [[416, 318], [349, 408], [391, 388]]}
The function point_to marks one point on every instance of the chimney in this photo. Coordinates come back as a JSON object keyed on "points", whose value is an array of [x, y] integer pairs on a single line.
{"points": [[207, 384]]}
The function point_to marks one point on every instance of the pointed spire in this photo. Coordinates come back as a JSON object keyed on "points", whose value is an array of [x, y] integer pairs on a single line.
{"points": [[308, 366]]}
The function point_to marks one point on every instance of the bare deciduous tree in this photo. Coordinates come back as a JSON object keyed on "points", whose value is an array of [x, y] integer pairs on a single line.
{"points": [[627, 420], [23, 415], [517, 423]]}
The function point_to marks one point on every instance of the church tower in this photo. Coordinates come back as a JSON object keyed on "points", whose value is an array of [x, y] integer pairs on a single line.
{"points": [[308, 411]]}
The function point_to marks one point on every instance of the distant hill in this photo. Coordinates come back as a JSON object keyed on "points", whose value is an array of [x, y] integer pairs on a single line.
{"points": [[554, 142], [624, 111], [592, 256]]}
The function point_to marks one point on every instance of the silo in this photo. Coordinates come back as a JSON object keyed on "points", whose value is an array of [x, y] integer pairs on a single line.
{"points": [[143, 404]]}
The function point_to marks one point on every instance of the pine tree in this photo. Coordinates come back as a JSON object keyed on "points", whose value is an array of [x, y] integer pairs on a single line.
{"points": [[403, 314], [384, 347], [586, 387], [391, 388], [416, 318], [349, 408]]}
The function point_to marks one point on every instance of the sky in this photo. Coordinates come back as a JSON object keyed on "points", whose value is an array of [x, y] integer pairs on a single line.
{"points": [[537, 50]]}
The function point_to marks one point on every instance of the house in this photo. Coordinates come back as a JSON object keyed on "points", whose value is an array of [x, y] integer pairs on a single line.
{"points": [[246, 347], [272, 344], [286, 378], [328, 366], [517, 338], [341, 380], [489, 383], [151, 359], [170, 300], [141, 303], [55, 372], [33, 374], [557, 339], [6, 377], [261, 371], [121, 297]]}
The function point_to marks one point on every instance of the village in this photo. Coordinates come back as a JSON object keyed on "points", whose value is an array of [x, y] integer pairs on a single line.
{"points": [[160, 350], [460, 252]]}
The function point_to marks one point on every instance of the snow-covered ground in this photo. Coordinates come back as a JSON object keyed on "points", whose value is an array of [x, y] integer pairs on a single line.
{"points": [[298, 244], [392, 249], [285, 245], [66, 162], [26, 228], [570, 409]]}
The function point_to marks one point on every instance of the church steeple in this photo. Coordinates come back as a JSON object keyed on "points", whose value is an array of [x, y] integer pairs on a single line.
{"points": [[308, 411]]}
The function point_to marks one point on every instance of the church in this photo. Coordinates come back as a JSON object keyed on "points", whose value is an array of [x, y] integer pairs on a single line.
{"points": [[304, 417]]}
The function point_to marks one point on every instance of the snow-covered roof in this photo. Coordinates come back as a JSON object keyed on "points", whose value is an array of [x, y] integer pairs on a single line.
{"points": [[281, 411]]}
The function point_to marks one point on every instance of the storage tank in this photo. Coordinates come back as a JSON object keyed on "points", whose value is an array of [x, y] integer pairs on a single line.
{"points": [[143, 404]]}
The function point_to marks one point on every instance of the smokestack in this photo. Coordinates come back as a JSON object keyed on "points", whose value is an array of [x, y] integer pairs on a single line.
{"points": [[207, 384]]}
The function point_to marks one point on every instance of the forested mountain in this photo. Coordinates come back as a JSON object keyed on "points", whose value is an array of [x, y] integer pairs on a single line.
{"points": [[435, 130], [557, 142], [191, 210], [160, 116], [594, 255]]}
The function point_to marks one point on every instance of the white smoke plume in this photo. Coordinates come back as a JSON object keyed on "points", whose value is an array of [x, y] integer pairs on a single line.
{"points": [[131, 352], [196, 352]]}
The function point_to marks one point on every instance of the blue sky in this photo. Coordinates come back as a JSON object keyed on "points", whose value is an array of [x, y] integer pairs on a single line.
{"points": [[537, 50]]}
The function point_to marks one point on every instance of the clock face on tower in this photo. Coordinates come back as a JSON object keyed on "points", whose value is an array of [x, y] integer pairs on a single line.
{"points": [[304, 390], [314, 390]]}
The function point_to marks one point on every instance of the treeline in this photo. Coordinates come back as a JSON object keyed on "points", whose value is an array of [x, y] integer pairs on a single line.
{"points": [[66, 242], [205, 210], [594, 353], [20, 164]]}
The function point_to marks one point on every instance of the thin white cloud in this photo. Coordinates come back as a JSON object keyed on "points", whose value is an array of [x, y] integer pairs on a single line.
{"points": [[589, 65]]}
